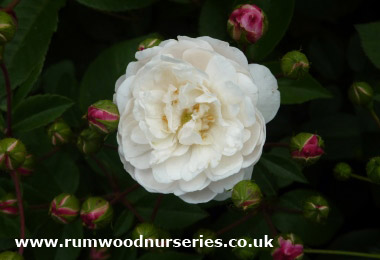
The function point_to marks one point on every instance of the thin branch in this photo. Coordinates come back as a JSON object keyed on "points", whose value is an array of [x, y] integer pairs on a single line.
{"points": [[237, 223], [16, 182], [11, 6], [156, 207], [120, 195], [269, 222], [49, 154], [132, 209], [8, 90], [110, 146]]}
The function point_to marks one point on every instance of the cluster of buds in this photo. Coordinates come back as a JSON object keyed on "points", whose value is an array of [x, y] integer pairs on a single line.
{"points": [[246, 194], [96, 213], [342, 171], [59, 132], [316, 209], [373, 169], [287, 247], [295, 65], [148, 43], [9, 255], [8, 204], [64, 208], [361, 94], [306, 148], [99, 253], [205, 234], [247, 24], [247, 252], [12, 154]]}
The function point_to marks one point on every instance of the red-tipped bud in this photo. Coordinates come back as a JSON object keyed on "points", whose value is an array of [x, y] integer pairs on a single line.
{"points": [[59, 132], [306, 148], [148, 43], [103, 116], [8, 204], [246, 195], [247, 24], [287, 247], [96, 213], [64, 208], [12, 154], [27, 168]]}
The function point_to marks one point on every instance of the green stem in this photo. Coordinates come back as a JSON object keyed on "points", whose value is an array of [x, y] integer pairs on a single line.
{"points": [[374, 116], [340, 252], [362, 178]]}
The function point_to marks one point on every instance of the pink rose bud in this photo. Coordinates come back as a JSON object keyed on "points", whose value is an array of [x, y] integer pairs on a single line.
{"points": [[59, 132], [96, 213], [247, 24], [306, 148], [103, 116], [12, 154], [64, 208], [27, 168], [287, 247], [99, 253], [8, 204], [148, 43]]}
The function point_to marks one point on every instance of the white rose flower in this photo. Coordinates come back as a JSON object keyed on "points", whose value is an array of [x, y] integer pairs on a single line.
{"points": [[192, 117]]}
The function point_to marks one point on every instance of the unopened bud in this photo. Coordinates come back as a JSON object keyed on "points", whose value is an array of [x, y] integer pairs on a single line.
{"points": [[99, 253], [246, 252], [306, 148], [316, 209], [148, 43], [295, 65], [287, 247], [373, 169], [103, 116], [246, 195], [64, 208], [207, 237], [9, 255], [59, 132], [90, 141], [27, 168], [247, 24], [342, 171], [360, 93], [7, 27], [12, 154], [96, 213], [146, 230], [8, 204]]}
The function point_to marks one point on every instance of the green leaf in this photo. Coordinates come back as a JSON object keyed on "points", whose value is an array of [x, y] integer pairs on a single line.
{"points": [[264, 179], [312, 234], [9, 229], [39, 110], [370, 36], [71, 231], [111, 64], [279, 14], [173, 212], [170, 255], [123, 223], [283, 167], [37, 21], [213, 18], [298, 91], [116, 5], [65, 171]]}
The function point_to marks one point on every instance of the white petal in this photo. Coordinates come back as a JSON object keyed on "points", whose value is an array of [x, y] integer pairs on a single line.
{"points": [[170, 170], [228, 166], [145, 179], [269, 96], [196, 197], [198, 183]]}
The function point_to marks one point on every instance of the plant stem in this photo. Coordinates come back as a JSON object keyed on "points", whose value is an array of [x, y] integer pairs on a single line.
{"points": [[8, 90], [269, 222], [110, 146], [340, 252], [236, 223], [156, 207], [16, 182], [11, 6], [374, 116], [132, 209], [122, 194], [362, 178], [276, 145], [49, 154]]}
